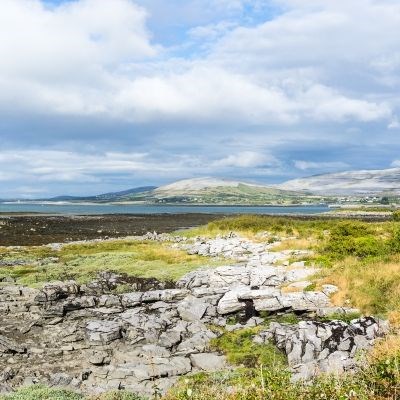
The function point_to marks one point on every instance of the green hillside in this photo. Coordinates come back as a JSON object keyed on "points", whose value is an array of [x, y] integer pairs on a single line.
{"points": [[241, 194]]}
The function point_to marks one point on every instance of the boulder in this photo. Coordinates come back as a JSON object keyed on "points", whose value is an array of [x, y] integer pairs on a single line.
{"points": [[192, 308], [230, 303], [208, 361], [56, 291], [99, 357]]}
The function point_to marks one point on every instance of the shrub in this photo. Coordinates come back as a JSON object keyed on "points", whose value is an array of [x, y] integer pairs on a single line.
{"points": [[396, 215], [394, 241], [353, 239]]}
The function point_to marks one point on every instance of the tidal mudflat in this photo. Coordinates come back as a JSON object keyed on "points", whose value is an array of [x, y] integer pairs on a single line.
{"points": [[27, 230]]}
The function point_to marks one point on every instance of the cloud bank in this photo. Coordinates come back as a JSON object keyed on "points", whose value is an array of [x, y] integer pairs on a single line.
{"points": [[256, 89]]}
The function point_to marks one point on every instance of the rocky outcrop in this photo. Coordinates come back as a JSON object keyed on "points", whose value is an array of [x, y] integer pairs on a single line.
{"points": [[137, 340], [323, 347], [92, 339]]}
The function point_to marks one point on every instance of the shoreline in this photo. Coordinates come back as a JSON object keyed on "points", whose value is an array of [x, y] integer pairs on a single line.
{"points": [[39, 229]]}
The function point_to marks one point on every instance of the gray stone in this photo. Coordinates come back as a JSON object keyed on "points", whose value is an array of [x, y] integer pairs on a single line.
{"points": [[103, 331], [208, 361], [60, 379], [8, 345], [164, 295], [192, 308], [329, 347], [131, 299], [99, 358], [197, 343]]}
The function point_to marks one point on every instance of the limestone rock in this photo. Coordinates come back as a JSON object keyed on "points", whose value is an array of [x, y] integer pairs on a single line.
{"points": [[331, 347], [99, 358], [230, 302], [208, 361], [103, 332], [8, 345], [192, 308]]}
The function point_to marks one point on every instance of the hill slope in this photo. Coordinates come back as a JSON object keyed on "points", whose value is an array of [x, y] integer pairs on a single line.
{"points": [[220, 191], [348, 183], [111, 196]]}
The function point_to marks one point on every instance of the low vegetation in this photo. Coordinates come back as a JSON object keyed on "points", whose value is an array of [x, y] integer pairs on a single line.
{"points": [[33, 266], [241, 350], [40, 392]]}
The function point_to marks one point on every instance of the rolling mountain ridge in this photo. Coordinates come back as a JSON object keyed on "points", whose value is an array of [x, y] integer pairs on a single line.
{"points": [[363, 182], [211, 190]]}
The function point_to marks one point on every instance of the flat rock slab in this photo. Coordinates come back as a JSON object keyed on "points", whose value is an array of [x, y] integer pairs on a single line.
{"points": [[192, 308], [103, 332], [208, 361]]}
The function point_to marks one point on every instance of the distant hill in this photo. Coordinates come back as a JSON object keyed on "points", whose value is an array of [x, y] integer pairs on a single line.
{"points": [[205, 190], [363, 182], [129, 194], [210, 190]]}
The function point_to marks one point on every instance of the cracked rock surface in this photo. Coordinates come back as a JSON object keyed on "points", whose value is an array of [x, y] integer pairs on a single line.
{"points": [[314, 347], [93, 340]]}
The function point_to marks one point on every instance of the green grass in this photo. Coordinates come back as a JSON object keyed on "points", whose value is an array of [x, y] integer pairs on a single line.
{"points": [[240, 350], [82, 262], [348, 317], [40, 392]]}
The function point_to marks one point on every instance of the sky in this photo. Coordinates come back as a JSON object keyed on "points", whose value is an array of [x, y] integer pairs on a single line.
{"points": [[105, 95]]}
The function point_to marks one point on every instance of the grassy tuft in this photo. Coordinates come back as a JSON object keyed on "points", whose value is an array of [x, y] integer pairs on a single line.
{"points": [[239, 349]]}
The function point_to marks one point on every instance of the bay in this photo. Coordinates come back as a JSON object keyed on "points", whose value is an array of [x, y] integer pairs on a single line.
{"points": [[64, 208]]}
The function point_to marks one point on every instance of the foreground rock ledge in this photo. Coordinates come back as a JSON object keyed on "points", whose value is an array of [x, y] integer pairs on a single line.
{"points": [[91, 340]]}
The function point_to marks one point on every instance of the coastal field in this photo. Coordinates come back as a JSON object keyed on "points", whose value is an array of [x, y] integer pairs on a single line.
{"points": [[361, 258]]}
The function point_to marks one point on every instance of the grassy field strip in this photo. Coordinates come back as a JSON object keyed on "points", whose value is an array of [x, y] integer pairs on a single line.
{"points": [[34, 266]]}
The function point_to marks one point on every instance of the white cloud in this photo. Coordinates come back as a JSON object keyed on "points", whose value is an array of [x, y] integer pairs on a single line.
{"points": [[395, 164], [211, 31], [94, 57], [324, 165], [247, 159], [49, 44], [203, 93], [394, 123], [46, 167], [66, 59], [57, 165]]}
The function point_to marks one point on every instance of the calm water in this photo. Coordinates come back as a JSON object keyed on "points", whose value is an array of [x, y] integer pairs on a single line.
{"points": [[85, 209]]}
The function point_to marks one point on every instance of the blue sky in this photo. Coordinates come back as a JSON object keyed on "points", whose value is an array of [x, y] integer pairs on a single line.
{"points": [[100, 95]]}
